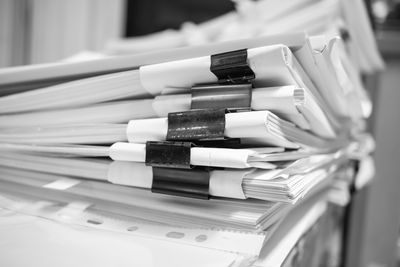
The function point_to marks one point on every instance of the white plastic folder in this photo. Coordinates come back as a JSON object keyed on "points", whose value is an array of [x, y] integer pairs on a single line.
{"points": [[83, 235], [74, 208], [44, 242]]}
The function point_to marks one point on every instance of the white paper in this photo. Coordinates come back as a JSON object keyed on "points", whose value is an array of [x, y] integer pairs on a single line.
{"points": [[128, 152], [181, 74], [164, 104], [227, 183], [366, 172], [220, 157], [254, 124], [130, 174], [76, 93], [62, 184], [141, 131], [110, 112], [282, 101]]}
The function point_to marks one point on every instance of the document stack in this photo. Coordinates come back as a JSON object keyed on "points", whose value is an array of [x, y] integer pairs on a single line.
{"points": [[229, 151], [222, 139]]}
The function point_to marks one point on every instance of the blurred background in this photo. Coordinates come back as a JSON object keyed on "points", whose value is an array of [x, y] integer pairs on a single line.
{"points": [[43, 31]]}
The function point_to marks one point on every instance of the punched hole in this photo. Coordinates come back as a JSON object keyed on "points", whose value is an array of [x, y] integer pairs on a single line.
{"points": [[175, 235], [201, 238], [132, 228], [94, 221]]}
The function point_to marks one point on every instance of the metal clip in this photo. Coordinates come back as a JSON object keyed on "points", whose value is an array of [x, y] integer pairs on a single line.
{"points": [[168, 154], [232, 97], [196, 125], [232, 67], [220, 143], [192, 183]]}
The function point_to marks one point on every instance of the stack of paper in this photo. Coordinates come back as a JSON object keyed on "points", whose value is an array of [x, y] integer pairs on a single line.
{"points": [[59, 201], [269, 110], [269, 113], [220, 137]]}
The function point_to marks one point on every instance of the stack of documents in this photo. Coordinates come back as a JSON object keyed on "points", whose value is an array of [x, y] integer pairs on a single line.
{"points": [[224, 138], [270, 121]]}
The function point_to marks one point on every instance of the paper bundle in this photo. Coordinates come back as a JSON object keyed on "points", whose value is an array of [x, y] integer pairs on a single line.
{"points": [[226, 138]]}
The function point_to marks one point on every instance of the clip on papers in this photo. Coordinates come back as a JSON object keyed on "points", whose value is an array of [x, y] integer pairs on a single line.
{"points": [[232, 96], [196, 125], [220, 143], [232, 67], [192, 183], [168, 154]]}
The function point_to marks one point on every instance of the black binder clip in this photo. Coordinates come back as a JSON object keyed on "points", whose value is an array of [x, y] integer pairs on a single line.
{"points": [[192, 183], [231, 97], [168, 154], [232, 67], [196, 125], [220, 143]]}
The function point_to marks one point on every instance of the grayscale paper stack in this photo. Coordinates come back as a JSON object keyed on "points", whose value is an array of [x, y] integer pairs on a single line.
{"points": [[226, 138]]}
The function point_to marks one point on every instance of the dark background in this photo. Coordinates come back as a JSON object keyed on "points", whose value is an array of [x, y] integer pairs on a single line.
{"points": [[144, 17]]}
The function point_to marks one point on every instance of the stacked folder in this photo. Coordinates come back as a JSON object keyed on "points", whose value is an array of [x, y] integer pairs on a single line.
{"points": [[220, 137]]}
